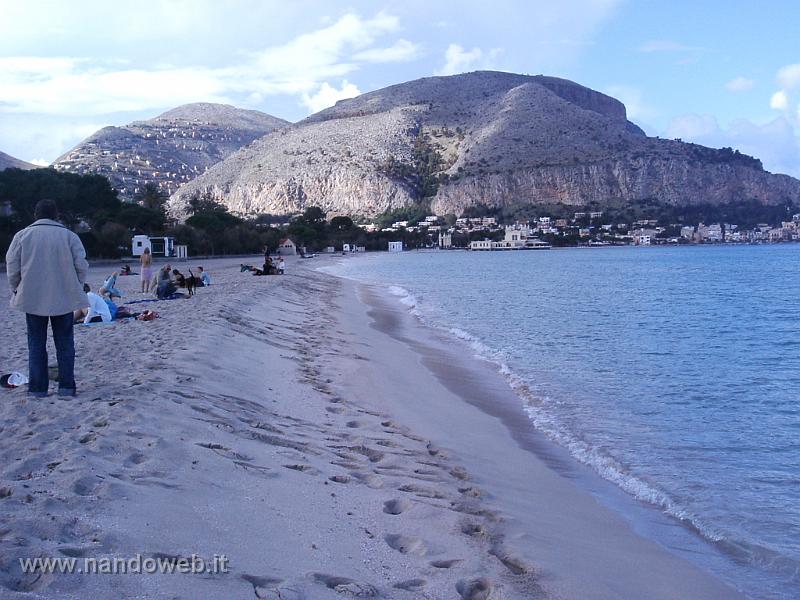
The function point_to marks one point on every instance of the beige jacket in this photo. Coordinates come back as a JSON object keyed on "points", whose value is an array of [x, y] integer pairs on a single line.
{"points": [[46, 265]]}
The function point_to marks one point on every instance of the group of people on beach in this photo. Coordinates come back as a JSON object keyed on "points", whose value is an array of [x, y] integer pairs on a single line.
{"points": [[47, 274], [165, 281], [270, 267]]}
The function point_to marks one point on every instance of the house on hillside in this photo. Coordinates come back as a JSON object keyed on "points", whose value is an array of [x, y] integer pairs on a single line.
{"points": [[286, 247]]}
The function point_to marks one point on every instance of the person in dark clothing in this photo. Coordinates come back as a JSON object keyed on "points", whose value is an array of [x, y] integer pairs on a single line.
{"points": [[46, 267]]}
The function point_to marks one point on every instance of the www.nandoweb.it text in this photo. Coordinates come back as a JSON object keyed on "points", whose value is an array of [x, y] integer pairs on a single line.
{"points": [[135, 565]]}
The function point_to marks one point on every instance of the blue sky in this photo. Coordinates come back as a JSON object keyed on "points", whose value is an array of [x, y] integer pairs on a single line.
{"points": [[718, 73]]}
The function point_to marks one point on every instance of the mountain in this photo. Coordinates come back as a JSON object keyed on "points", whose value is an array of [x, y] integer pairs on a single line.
{"points": [[9, 162], [479, 138], [169, 150]]}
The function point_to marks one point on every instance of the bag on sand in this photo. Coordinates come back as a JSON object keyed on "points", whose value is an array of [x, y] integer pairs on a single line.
{"points": [[12, 380]]}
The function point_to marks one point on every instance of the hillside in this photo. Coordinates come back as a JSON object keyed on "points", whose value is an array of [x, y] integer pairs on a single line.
{"points": [[9, 162], [479, 138], [169, 150]]}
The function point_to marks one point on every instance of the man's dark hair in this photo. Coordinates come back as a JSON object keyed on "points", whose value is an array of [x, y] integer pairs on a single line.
{"points": [[86, 288], [45, 209]]}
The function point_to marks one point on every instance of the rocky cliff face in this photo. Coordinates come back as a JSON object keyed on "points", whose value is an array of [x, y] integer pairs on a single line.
{"points": [[169, 150], [480, 138], [9, 162]]}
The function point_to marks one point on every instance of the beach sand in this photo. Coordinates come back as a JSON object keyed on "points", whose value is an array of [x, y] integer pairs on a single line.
{"points": [[315, 435]]}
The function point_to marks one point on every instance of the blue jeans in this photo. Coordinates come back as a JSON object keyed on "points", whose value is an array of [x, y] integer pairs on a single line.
{"points": [[38, 380]]}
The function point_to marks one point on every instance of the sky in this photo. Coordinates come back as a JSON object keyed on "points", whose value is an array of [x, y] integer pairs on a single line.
{"points": [[712, 72]]}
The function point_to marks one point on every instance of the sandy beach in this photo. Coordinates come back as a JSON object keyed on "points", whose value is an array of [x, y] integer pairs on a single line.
{"points": [[314, 434]]}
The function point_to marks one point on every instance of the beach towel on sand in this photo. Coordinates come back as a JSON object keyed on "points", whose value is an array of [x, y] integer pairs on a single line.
{"points": [[175, 296]]}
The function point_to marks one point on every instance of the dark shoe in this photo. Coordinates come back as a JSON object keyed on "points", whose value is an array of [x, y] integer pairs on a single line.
{"points": [[67, 392], [37, 394]]}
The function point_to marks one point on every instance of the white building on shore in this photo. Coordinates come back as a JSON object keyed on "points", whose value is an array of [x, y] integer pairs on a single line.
{"points": [[517, 237]]}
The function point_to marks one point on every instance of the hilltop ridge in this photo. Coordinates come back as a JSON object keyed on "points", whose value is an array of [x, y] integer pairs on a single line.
{"points": [[168, 150], [9, 162], [483, 138]]}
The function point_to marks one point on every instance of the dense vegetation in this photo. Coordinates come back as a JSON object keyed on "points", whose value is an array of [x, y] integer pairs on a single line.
{"points": [[421, 176], [90, 206]]}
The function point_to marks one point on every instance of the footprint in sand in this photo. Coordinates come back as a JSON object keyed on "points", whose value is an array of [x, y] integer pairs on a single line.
{"points": [[396, 506], [343, 585], [475, 589], [513, 563], [446, 564], [422, 491], [75, 552], [473, 529], [87, 486], [459, 473], [387, 444], [472, 492], [303, 469], [411, 585], [262, 585], [136, 458], [255, 469], [339, 478], [434, 450], [12, 577], [406, 544], [368, 479]]}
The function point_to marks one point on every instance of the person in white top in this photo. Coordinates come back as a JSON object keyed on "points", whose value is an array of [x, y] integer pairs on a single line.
{"points": [[96, 311]]}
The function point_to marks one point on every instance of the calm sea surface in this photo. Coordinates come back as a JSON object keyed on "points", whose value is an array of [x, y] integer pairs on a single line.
{"points": [[674, 373]]}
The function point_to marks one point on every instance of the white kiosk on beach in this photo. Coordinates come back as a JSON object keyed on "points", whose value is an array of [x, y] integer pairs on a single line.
{"points": [[159, 246]]}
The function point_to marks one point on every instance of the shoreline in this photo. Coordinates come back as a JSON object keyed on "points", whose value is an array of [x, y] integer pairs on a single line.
{"points": [[282, 422], [477, 383]]}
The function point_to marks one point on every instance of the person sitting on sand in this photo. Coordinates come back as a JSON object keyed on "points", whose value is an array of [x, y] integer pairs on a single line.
{"points": [[205, 279], [126, 270], [166, 287], [267, 269], [109, 287], [97, 310]]}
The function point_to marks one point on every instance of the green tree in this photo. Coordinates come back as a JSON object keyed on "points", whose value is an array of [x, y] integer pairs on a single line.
{"points": [[153, 198], [342, 224]]}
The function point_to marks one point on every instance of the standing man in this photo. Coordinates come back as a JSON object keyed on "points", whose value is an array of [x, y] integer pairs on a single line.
{"points": [[46, 265]]}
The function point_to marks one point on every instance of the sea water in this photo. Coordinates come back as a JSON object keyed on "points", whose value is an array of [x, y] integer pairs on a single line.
{"points": [[672, 372]]}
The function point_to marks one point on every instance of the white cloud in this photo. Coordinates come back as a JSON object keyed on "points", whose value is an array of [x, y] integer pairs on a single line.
{"points": [[789, 76], [776, 143], [401, 51], [76, 86], [459, 60], [740, 84], [779, 101], [327, 95], [39, 162]]}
